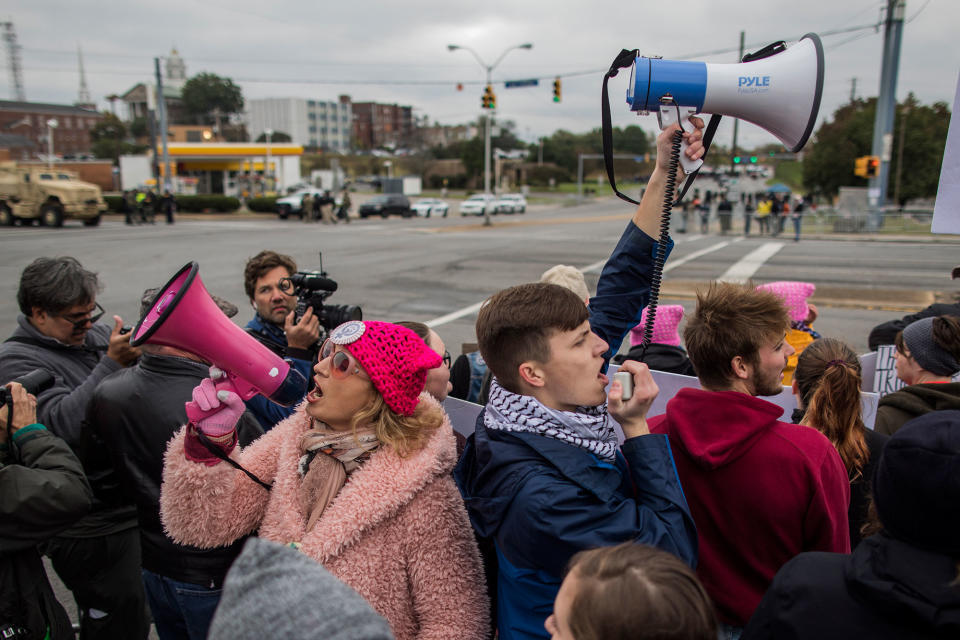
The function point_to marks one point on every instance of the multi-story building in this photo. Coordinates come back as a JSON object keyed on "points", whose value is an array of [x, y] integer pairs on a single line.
{"points": [[141, 97], [320, 124], [71, 133], [378, 125]]}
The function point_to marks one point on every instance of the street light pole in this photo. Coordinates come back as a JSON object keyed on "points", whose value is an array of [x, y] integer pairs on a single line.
{"points": [[266, 169], [51, 125], [488, 68]]}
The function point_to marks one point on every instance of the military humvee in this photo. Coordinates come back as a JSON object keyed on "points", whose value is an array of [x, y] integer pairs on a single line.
{"points": [[29, 192]]}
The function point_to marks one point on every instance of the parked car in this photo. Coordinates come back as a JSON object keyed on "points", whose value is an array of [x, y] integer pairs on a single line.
{"points": [[386, 204], [428, 206], [478, 205], [292, 204], [511, 203]]}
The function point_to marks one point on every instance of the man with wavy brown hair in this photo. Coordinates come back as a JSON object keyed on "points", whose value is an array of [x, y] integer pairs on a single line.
{"points": [[760, 490]]}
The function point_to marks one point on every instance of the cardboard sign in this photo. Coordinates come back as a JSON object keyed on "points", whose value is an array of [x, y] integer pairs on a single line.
{"points": [[885, 378]]}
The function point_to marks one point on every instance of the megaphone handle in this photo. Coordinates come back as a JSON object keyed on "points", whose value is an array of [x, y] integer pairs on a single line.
{"points": [[667, 115], [195, 414]]}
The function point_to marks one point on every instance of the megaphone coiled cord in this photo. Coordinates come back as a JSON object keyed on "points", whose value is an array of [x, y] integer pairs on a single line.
{"points": [[661, 257]]}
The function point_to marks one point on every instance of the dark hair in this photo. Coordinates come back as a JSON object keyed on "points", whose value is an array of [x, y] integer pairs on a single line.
{"points": [[731, 320], [260, 264], [946, 333], [635, 591], [514, 325], [828, 377], [422, 330], [56, 284]]}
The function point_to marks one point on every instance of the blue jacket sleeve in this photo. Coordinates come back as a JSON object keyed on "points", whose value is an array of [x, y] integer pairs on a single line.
{"points": [[553, 518], [624, 287], [269, 413]]}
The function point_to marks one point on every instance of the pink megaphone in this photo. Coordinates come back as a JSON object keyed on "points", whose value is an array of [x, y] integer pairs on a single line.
{"points": [[183, 315]]}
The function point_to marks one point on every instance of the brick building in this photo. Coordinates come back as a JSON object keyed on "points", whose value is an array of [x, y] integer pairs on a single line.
{"points": [[29, 120], [377, 125]]}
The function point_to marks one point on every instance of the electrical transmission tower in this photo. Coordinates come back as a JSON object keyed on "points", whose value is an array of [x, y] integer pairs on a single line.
{"points": [[13, 60], [83, 98]]}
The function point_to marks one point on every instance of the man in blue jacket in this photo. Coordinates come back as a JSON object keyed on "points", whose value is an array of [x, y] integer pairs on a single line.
{"points": [[543, 475], [274, 326]]}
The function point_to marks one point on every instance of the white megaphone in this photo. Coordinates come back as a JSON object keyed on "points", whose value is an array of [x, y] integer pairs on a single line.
{"points": [[780, 93]]}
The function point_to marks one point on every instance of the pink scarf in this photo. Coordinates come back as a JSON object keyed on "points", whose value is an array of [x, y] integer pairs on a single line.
{"points": [[329, 457]]}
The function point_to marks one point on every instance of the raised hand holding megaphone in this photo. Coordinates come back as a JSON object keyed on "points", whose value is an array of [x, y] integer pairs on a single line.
{"points": [[778, 90]]}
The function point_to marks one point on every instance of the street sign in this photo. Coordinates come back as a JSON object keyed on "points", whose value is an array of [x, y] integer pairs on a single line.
{"points": [[514, 84]]}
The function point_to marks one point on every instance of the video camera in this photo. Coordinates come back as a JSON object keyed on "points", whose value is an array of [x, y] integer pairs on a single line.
{"points": [[35, 382], [312, 288]]}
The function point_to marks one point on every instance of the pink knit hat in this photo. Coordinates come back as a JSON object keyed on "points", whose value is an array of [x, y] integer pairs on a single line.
{"points": [[394, 357], [664, 326], [794, 296]]}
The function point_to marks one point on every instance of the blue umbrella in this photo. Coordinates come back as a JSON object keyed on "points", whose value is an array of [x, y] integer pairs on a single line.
{"points": [[778, 188]]}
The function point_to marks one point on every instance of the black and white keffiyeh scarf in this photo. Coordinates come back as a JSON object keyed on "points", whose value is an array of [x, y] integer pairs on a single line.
{"points": [[589, 428]]}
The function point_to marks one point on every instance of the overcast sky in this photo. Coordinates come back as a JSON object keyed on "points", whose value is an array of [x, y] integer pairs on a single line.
{"points": [[397, 51]]}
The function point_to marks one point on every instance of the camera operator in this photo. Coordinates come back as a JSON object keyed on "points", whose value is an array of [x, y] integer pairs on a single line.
{"points": [[99, 557], [274, 325], [43, 490]]}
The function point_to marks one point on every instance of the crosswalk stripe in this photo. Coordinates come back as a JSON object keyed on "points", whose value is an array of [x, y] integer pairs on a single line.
{"points": [[743, 269]]}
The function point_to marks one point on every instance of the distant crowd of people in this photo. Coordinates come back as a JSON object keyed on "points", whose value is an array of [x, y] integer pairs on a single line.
{"points": [[162, 496], [770, 211], [142, 206]]}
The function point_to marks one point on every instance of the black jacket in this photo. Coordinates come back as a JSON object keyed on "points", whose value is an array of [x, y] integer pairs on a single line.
{"points": [[77, 371], [884, 589], [42, 492], [135, 412], [886, 333], [661, 357]]}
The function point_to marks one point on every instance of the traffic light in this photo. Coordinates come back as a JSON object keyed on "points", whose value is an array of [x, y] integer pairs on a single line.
{"points": [[493, 98], [860, 166], [487, 101], [556, 90], [867, 166], [736, 159], [753, 159]]}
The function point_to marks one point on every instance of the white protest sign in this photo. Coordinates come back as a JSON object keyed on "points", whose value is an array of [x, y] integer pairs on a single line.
{"points": [[946, 211]]}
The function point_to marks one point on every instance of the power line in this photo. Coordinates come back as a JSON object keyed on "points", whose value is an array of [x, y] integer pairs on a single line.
{"points": [[438, 83]]}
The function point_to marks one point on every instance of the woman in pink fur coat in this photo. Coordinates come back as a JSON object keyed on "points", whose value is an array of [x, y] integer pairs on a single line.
{"points": [[360, 481]]}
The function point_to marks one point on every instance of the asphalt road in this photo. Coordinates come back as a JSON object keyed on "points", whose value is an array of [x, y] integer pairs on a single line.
{"points": [[427, 269]]}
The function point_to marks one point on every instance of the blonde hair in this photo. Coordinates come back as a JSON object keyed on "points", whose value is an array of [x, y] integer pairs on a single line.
{"points": [[403, 434]]}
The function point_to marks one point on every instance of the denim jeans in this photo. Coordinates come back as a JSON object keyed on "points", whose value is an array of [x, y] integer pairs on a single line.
{"points": [[728, 632], [180, 609]]}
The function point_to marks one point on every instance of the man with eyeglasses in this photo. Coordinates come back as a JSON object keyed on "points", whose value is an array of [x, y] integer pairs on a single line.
{"points": [[99, 557]]}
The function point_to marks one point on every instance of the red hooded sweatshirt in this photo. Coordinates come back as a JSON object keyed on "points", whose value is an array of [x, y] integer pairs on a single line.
{"points": [[760, 491]]}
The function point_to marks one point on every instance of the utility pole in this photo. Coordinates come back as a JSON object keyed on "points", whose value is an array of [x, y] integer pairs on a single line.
{"points": [[853, 89], [886, 107], [488, 68], [736, 121], [162, 108]]}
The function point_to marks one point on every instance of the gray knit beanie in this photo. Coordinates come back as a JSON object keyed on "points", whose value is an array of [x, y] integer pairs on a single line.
{"points": [[918, 338], [273, 591]]}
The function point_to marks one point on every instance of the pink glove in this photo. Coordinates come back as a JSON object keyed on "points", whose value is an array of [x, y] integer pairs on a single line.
{"points": [[219, 427]]}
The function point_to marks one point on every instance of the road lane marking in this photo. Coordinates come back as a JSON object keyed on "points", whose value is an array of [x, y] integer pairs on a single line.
{"points": [[745, 267], [450, 317]]}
